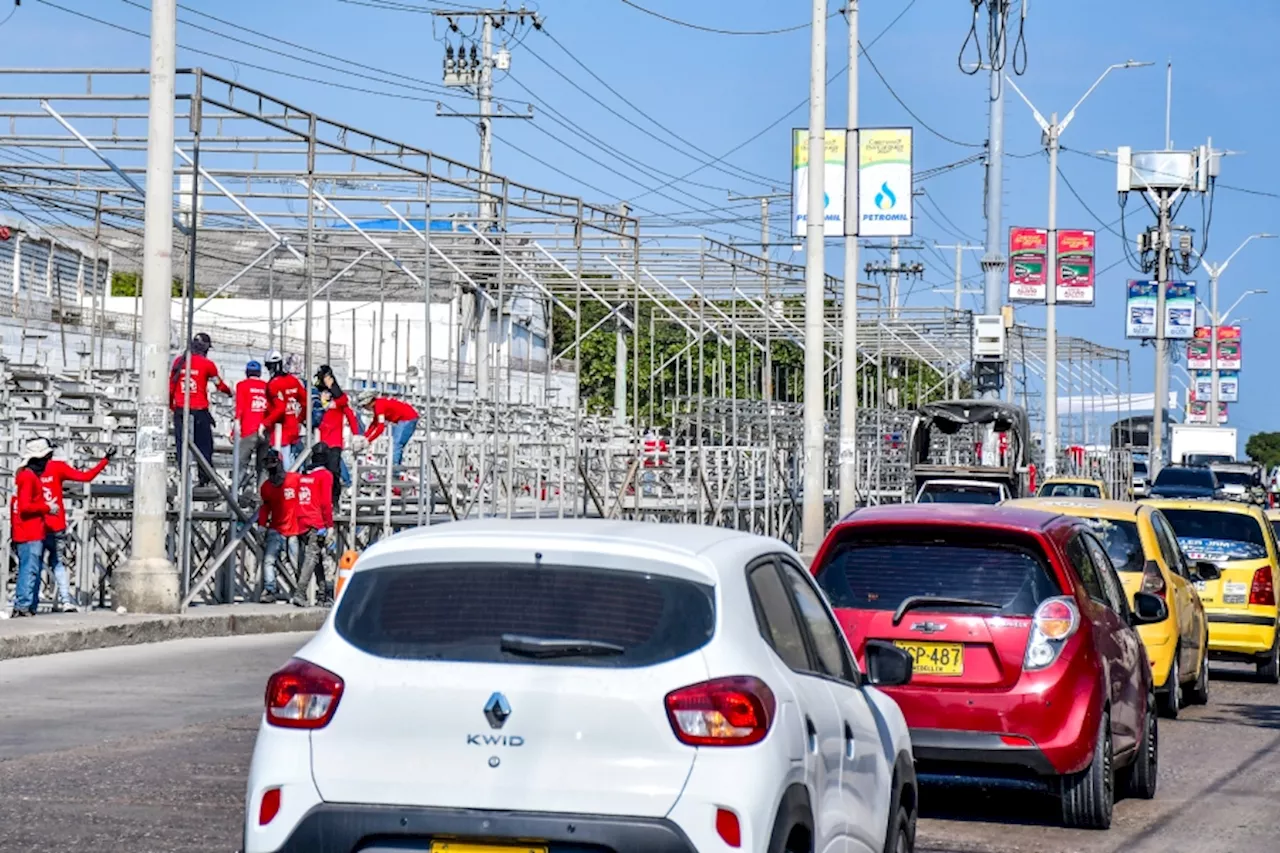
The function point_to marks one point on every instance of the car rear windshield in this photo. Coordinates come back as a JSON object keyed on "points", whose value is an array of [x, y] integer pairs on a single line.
{"points": [[946, 494], [1208, 535], [1122, 542], [1070, 490], [462, 613], [1140, 469], [1185, 477], [1238, 478], [879, 573]]}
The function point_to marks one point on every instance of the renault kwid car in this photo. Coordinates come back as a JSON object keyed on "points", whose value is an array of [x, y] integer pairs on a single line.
{"points": [[582, 685], [1027, 661]]}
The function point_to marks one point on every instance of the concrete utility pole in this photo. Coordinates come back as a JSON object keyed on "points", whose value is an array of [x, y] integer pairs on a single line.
{"points": [[1159, 405], [958, 291], [848, 458], [765, 244], [993, 259], [620, 342], [148, 582], [1217, 320], [813, 525]]}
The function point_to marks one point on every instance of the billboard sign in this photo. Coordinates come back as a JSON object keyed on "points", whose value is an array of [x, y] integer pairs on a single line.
{"points": [[1230, 350], [1228, 386], [1198, 355], [1075, 267], [1198, 412], [1201, 386], [1140, 310], [1180, 310], [882, 205], [1028, 259], [833, 177]]}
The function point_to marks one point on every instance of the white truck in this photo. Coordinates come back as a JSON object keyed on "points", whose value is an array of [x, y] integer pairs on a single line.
{"points": [[1197, 444]]}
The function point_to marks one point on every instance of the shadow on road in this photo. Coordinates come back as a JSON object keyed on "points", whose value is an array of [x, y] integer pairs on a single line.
{"points": [[1236, 714], [975, 802]]}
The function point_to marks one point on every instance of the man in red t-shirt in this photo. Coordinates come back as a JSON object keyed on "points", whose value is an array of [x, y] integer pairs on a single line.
{"points": [[402, 417], [252, 403], [287, 398], [27, 512], [279, 515], [315, 522], [55, 473], [191, 381], [331, 431]]}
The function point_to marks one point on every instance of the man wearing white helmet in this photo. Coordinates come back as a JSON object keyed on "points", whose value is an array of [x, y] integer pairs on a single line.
{"points": [[287, 396]]}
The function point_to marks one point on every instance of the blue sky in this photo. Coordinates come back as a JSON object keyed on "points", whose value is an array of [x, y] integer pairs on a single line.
{"points": [[715, 91]]}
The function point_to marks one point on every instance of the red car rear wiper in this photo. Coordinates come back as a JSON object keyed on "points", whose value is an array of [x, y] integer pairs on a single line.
{"points": [[914, 602]]}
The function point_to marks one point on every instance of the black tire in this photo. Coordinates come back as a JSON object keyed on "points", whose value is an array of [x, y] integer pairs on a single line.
{"points": [[793, 825], [1141, 777], [902, 833], [1269, 665], [1170, 698], [1197, 693], [1088, 797]]}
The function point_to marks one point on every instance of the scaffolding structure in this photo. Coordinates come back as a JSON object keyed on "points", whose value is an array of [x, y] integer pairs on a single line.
{"points": [[676, 336]]}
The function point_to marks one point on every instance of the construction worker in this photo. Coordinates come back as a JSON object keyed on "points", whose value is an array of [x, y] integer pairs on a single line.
{"points": [[55, 473], [28, 510], [287, 403], [337, 414], [279, 516], [191, 383], [252, 403], [315, 523], [388, 410]]}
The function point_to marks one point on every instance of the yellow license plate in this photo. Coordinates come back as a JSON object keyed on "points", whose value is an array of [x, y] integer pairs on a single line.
{"points": [[935, 658], [460, 847]]}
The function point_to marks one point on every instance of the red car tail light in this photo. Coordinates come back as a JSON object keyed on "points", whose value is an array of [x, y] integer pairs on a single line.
{"points": [[269, 807], [735, 711], [302, 696], [1263, 591], [1152, 580], [1056, 621]]}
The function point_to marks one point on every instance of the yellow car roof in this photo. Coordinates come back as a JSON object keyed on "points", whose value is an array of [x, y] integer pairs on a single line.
{"points": [[1092, 507], [1208, 506]]}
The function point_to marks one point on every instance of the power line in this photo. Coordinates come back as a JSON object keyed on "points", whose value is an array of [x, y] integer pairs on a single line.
{"points": [[717, 30], [913, 113]]}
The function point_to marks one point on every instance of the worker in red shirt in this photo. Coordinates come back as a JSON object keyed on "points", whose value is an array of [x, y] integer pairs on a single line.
{"points": [[402, 417], [278, 514], [252, 403], [287, 400], [55, 473], [336, 416], [27, 512], [191, 382], [315, 523]]}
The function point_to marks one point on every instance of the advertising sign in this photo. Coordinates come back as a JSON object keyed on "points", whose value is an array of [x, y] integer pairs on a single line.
{"points": [[1180, 310], [1075, 266], [1140, 310], [833, 177], [882, 205], [1198, 412], [1028, 259], [1228, 386], [1201, 386], [1229, 348], [1198, 355]]}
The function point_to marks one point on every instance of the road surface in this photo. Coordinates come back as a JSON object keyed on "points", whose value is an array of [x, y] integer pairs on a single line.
{"points": [[145, 748]]}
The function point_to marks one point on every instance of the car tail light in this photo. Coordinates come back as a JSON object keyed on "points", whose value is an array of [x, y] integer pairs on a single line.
{"points": [[728, 828], [1263, 590], [302, 696], [1152, 580], [1055, 621], [735, 711], [269, 807]]}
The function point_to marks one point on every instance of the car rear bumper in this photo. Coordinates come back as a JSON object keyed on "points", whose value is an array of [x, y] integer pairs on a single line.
{"points": [[946, 748], [342, 828], [1232, 634]]}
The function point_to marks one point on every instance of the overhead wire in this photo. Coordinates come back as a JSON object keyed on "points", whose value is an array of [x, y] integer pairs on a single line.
{"points": [[719, 30]]}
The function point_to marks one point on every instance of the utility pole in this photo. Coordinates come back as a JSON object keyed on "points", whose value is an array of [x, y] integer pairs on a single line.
{"points": [[1164, 201], [620, 340], [813, 524], [959, 290], [148, 582], [848, 454], [765, 243], [993, 259]]}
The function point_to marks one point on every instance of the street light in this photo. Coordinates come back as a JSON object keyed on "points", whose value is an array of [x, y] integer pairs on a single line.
{"points": [[1052, 131], [1216, 320]]}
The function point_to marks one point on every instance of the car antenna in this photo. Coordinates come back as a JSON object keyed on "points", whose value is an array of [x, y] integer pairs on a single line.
{"points": [[537, 559]]}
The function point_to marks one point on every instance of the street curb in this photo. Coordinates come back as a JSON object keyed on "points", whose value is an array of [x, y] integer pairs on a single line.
{"points": [[158, 630]]}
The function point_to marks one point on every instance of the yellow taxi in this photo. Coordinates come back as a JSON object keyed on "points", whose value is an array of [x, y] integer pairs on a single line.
{"points": [[1073, 487], [1144, 550], [1241, 603]]}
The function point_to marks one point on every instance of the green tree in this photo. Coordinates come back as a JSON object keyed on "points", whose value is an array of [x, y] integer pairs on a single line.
{"points": [[1264, 448], [130, 284]]}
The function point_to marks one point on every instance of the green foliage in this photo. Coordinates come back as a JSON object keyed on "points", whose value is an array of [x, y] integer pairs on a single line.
{"points": [[1264, 448], [130, 284]]}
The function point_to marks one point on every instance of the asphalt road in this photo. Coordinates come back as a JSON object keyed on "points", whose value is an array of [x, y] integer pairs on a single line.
{"points": [[145, 749]]}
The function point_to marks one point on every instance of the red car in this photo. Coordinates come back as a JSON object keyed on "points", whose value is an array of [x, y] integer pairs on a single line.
{"points": [[1026, 661]]}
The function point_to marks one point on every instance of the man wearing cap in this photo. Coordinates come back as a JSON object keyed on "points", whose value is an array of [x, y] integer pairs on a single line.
{"points": [[27, 512], [315, 523], [190, 382], [336, 416], [55, 473], [279, 515], [388, 410], [286, 404], [251, 414]]}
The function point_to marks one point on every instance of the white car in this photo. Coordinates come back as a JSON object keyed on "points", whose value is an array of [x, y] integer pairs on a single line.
{"points": [[961, 492], [614, 686]]}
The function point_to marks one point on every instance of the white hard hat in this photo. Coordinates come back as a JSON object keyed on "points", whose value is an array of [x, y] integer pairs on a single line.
{"points": [[273, 356]]}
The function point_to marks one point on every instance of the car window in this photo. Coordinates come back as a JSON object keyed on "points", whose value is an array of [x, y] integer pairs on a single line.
{"points": [[1111, 587], [1206, 534], [1078, 554], [1123, 544], [958, 494], [776, 616], [828, 640], [1169, 546], [1174, 476]]}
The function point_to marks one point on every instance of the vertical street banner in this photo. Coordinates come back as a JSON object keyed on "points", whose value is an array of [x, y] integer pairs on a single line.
{"points": [[833, 179], [1140, 310], [1198, 412], [1201, 386], [1075, 267], [1199, 356], [1228, 386], [1180, 310], [1229, 348], [882, 205], [1028, 259]]}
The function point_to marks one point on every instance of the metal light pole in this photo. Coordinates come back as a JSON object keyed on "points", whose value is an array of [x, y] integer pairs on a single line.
{"points": [[1053, 130], [1216, 320], [848, 458], [815, 459]]}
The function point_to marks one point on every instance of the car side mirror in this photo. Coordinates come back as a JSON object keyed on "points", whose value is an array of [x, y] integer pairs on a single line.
{"points": [[887, 665], [1148, 609], [1206, 571]]}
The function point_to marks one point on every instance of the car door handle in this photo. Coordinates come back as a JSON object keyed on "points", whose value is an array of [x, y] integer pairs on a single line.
{"points": [[813, 734], [848, 741]]}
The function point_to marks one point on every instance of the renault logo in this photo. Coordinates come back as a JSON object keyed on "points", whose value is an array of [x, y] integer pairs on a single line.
{"points": [[496, 710]]}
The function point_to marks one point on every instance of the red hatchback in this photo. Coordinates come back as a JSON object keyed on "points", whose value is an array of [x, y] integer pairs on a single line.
{"points": [[1027, 664]]}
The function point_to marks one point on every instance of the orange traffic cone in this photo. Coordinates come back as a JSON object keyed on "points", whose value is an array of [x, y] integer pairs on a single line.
{"points": [[345, 565]]}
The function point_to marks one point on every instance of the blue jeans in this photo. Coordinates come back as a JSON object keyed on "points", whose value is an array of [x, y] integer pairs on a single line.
{"points": [[290, 452], [54, 544], [30, 565], [400, 435], [275, 544]]}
